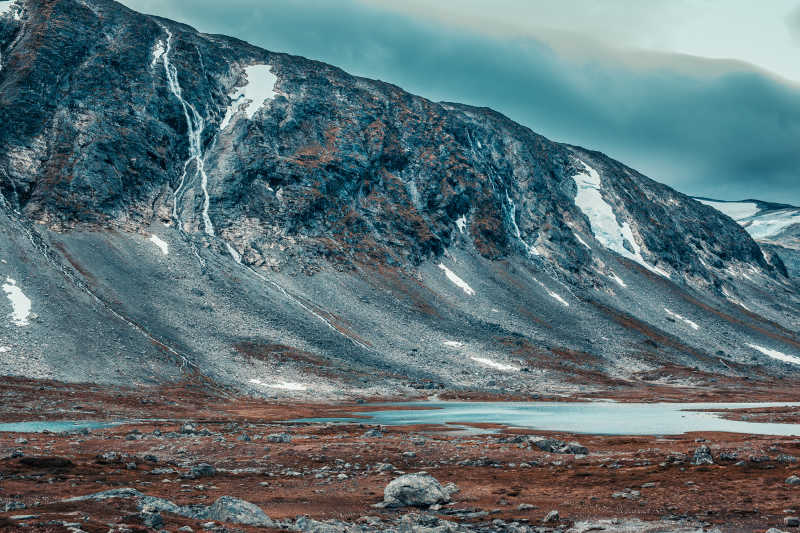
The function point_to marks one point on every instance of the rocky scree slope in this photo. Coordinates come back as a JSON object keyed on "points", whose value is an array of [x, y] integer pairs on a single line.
{"points": [[177, 205]]}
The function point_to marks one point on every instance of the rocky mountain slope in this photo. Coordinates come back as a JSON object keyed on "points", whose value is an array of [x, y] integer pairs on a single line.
{"points": [[776, 227], [177, 205]]}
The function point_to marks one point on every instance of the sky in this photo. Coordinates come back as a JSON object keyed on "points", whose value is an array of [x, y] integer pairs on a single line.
{"points": [[703, 95]]}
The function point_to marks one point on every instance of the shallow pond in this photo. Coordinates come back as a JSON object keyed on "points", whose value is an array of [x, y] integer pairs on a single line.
{"points": [[56, 426], [601, 418]]}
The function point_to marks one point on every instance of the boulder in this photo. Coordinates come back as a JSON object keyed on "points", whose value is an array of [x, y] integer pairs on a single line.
{"points": [[200, 470], [793, 480], [234, 510], [702, 456], [416, 490], [279, 437], [558, 446]]}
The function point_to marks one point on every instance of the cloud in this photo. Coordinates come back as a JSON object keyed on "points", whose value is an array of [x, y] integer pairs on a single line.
{"points": [[793, 23], [705, 127]]}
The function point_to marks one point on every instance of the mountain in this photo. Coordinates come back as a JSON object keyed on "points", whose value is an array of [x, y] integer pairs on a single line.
{"points": [[184, 206], [776, 227]]}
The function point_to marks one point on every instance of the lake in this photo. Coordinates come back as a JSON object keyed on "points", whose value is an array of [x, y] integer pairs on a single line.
{"points": [[601, 418], [54, 426]]}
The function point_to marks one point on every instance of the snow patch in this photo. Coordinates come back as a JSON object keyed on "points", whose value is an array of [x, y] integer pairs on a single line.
{"points": [[578, 237], [494, 364], [603, 221], [282, 385], [259, 87], [5, 349], [5, 7], [461, 223], [682, 319], [457, 281], [162, 245], [775, 354], [453, 344], [735, 210], [20, 304], [771, 224], [760, 225]]}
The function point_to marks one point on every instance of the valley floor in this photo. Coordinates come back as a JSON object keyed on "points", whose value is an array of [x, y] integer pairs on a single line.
{"points": [[336, 473]]}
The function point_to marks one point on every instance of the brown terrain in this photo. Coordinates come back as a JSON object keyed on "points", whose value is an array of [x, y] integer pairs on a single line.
{"points": [[334, 471]]}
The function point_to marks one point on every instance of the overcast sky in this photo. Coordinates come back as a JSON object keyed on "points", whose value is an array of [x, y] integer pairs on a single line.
{"points": [[703, 95]]}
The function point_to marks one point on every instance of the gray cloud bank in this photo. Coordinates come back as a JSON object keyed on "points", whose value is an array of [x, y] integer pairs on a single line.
{"points": [[704, 127]]}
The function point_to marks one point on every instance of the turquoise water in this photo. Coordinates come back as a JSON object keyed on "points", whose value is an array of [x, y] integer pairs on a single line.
{"points": [[53, 426], [600, 418]]}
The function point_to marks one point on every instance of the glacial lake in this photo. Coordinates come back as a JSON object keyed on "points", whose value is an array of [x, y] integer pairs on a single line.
{"points": [[54, 426], [599, 418]]}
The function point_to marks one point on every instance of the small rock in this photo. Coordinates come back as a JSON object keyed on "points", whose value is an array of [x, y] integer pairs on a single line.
{"points": [[791, 521], [551, 517], [151, 517], [793, 480], [702, 456], [279, 437], [200, 470], [525, 507]]}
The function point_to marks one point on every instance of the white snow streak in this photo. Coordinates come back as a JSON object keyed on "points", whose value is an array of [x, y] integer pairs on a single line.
{"points": [[552, 294], [512, 215], [603, 221], [775, 354], [494, 364], [5, 349], [260, 87], [195, 124], [456, 280], [683, 319], [453, 344], [578, 237], [163, 246], [461, 223], [158, 53], [282, 385], [236, 255], [20, 304], [616, 278], [558, 298]]}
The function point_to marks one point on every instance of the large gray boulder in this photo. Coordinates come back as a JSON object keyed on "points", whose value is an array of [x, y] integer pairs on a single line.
{"points": [[416, 490], [236, 511]]}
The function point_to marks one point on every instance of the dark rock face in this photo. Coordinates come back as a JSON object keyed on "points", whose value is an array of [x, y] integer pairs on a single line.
{"points": [[115, 124]]}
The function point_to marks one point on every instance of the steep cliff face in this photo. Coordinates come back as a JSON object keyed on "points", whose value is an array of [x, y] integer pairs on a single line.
{"points": [[250, 170]]}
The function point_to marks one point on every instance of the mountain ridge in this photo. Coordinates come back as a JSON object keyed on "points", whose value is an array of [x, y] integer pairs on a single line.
{"points": [[449, 220]]}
